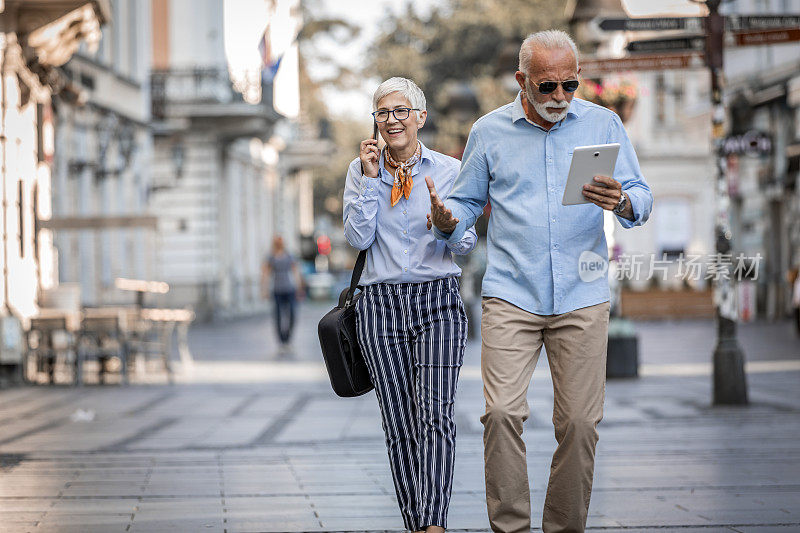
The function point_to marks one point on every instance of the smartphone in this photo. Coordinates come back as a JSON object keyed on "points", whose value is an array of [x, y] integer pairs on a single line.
{"points": [[374, 138]]}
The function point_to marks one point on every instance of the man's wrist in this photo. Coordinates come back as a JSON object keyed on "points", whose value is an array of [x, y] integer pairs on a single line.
{"points": [[627, 211], [449, 230]]}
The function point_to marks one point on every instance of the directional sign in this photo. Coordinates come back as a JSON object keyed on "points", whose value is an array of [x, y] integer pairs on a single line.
{"points": [[753, 38], [761, 22], [652, 24], [695, 43], [667, 62]]}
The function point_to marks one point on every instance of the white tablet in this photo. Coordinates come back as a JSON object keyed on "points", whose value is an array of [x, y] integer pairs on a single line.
{"points": [[588, 162]]}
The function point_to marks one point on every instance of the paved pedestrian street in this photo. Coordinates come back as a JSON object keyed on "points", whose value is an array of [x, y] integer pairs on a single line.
{"points": [[250, 445]]}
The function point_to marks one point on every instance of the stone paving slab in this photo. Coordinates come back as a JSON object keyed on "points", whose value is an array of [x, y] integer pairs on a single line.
{"points": [[290, 456]]}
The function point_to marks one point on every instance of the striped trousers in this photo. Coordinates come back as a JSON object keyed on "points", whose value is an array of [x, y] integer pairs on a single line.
{"points": [[413, 337]]}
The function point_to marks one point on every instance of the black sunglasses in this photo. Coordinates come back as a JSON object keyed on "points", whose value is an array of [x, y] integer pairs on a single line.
{"points": [[547, 87]]}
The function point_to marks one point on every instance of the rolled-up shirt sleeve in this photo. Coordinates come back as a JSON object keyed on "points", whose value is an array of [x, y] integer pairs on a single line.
{"points": [[470, 192], [465, 245], [360, 210], [628, 173]]}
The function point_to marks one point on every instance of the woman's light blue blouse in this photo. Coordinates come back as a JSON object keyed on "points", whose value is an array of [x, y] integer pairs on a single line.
{"points": [[401, 248]]}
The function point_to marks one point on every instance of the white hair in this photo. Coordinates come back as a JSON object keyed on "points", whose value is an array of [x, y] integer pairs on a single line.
{"points": [[546, 40], [407, 88]]}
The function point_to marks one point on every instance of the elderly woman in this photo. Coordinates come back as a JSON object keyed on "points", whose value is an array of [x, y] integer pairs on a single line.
{"points": [[411, 321]]}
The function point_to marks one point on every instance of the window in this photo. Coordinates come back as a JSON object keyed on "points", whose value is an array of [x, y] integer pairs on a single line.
{"points": [[673, 226]]}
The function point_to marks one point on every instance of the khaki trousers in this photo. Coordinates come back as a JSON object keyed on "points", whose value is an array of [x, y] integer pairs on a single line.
{"points": [[576, 345]]}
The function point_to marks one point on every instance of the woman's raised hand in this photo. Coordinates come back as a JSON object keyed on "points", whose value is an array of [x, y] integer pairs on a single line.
{"points": [[369, 155], [440, 216]]}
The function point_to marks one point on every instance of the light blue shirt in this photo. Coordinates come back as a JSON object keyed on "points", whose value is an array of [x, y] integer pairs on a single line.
{"points": [[534, 242], [401, 248]]}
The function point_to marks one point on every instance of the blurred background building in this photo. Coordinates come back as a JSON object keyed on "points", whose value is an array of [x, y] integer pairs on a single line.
{"points": [[131, 149], [137, 143], [214, 180], [38, 37], [667, 115], [102, 160], [763, 95]]}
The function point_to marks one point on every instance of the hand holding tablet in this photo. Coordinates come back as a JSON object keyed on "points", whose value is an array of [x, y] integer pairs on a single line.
{"points": [[588, 162]]}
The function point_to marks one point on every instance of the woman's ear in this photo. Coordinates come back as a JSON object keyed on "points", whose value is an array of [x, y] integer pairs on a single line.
{"points": [[423, 116]]}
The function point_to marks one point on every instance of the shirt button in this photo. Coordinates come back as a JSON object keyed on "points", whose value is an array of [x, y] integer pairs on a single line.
{"points": [[405, 231], [555, 246], [406, 269], [405, 251], [405, 212]]}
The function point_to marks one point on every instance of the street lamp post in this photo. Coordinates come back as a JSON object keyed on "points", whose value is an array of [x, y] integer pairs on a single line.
{"points": [[730, 384]]}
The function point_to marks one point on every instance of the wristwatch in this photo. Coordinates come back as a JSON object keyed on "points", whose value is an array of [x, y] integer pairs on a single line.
{"points": [[623, 202]]}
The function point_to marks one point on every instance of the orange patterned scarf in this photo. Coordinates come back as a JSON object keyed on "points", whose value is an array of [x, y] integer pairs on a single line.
{"points": [[403, 183]]}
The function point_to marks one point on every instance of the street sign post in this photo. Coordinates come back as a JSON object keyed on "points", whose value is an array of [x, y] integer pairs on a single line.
{"points": [[665, 62], [732, 23], [761, 22], [695, 43], [755, 38], [652, 24]]}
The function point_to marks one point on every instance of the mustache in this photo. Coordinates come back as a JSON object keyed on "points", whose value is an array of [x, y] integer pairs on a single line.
{"points": [[557, 105]]}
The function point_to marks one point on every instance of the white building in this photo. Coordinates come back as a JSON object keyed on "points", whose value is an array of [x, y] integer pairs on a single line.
{"points": [[102, 174], [37, 37], [216, 187]]}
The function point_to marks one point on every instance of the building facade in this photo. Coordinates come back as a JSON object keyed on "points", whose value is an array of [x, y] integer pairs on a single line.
{"points": [[102, 175], [670, 127], [763, 98], [37, 38], [217, 190]]}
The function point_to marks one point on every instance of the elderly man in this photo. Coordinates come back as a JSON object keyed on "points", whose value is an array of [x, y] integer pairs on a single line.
{"points": [[517, 157]]}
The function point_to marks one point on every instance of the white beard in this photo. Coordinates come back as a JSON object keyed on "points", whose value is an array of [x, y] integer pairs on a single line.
{"points": [[542, 108], [550, 116]]}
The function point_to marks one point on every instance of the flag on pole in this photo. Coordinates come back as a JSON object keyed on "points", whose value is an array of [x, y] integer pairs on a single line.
{"points": [[279, 56], [269, 65]]}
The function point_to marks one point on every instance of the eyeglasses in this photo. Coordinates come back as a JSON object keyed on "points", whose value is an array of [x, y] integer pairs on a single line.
{"points": [[547, 87], [401, 113]]}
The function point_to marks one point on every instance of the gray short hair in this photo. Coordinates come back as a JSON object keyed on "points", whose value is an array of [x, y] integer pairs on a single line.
{"points": [[547, 40], [405, 87]]}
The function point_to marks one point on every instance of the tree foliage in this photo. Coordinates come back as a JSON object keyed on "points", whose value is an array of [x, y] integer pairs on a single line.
{"points": [[463, 54], [462, 45]]}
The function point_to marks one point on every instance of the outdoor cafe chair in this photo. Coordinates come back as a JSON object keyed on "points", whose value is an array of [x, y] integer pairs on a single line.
{"points": [[103, 337]]}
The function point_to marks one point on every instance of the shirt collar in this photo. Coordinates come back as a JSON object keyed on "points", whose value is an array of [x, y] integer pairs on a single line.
{"points": [[425, 153], [518, 112]]}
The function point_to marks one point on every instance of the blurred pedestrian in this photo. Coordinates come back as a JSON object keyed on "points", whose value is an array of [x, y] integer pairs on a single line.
{"points": [[411, 321], [534, 291], [280, 272], [794, 282]]}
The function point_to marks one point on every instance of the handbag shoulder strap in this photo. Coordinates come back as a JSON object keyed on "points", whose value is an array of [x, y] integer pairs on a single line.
{"points": [[357, 270]]}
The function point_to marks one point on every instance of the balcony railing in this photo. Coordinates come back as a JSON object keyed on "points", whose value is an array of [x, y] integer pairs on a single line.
{"points": [[196, 86]]}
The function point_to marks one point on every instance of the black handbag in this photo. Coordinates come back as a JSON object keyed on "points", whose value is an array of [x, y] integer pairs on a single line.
{"points": [[339, 341]]}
